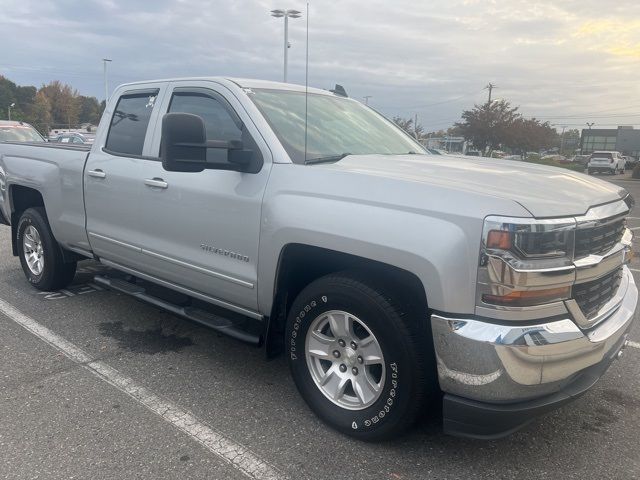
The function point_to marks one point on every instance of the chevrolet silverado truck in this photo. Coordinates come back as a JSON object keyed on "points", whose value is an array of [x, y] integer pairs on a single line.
{"points": [[397, 283]]}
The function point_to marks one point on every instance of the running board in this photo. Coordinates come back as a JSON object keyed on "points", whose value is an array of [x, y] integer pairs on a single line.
{"points": [[208, 319]]}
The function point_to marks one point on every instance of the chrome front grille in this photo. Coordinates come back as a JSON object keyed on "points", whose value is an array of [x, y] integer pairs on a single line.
{"points": [[599, 239], [592, 296]]}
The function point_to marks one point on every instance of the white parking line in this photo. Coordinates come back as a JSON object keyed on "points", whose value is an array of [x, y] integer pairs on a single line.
{"points": [[634, 345], [238, 456]]}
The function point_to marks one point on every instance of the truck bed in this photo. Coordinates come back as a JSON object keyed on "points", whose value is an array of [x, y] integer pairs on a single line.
{"points": [[56, 171]]}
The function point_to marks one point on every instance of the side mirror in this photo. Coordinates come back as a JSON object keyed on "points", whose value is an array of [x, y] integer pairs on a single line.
{"points": [[183, 147], [183, 144]]}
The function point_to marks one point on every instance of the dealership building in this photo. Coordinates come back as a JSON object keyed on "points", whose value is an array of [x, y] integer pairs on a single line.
{"points": [[625, 140]]}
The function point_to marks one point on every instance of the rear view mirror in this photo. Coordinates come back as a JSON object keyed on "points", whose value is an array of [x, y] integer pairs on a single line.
{"points": [[184, 145]]}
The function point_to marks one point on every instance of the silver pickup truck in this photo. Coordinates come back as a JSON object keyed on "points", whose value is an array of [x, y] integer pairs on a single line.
{"points": [[396, 282]]}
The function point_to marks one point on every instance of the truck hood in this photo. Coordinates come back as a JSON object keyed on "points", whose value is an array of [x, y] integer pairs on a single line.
{"points": [[544, 191]]}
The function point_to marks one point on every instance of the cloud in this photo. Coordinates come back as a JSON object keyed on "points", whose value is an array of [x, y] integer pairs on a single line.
{"points": [[427, 58]]}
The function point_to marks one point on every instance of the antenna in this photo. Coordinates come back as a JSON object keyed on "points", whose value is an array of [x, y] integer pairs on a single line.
{"points": [[306, 89]]}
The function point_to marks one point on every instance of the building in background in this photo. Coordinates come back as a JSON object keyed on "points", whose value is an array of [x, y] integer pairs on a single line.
{"points": [[450, 144], [625, 140]]}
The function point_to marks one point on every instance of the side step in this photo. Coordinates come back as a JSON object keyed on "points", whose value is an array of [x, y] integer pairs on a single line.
{"points": [[203, 317]]}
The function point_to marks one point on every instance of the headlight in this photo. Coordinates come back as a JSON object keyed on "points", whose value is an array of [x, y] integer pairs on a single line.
{"points": [[525, 262]]}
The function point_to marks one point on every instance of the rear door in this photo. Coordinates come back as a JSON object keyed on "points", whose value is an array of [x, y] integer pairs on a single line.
{"points": [[201, 230], [112, 177]]}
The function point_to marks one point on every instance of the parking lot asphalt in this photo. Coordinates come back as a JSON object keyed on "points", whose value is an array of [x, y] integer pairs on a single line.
{"points": [[119, 411]]}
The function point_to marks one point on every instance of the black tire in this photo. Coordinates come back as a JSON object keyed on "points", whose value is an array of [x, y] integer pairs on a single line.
{"points": [[55, 274], [404, 341]]}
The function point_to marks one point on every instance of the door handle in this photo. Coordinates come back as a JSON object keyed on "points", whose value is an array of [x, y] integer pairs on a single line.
{"points": [[97, 173], [156, 183]]}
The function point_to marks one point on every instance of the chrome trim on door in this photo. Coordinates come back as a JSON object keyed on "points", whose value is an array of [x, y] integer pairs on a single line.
{"points": [[116, 242], [212, 273], [198, 269], [186, 291]]}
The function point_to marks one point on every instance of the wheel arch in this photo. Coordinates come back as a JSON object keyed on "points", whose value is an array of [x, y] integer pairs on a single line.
{"points": [[20, 199], [300, 264]]}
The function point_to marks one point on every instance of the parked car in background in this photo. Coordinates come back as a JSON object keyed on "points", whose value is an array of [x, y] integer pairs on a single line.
{"points": [[606, 162], [581, 159], [74, 138], [630, 162], [11, 131], [555, 157], [436, 151]]}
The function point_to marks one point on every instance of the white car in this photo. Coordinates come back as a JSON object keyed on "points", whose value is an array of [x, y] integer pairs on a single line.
{"points": [[606, 161]]}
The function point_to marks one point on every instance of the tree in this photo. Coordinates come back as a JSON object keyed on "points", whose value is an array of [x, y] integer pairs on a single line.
{"points": [[64, 105], [407, 124], [39, 114], [487, 126], [529, 134], [89, 110]]}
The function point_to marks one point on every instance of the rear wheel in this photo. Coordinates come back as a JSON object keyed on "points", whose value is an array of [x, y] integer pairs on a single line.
{"points": [[357, 358], [39, 252]]}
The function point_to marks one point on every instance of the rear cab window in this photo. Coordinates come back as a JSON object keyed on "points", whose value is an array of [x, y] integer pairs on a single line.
{"points": [[128, 127]]}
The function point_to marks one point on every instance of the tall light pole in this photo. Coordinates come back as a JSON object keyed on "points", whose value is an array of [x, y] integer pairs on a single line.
{"points": [[279, 13], [562, 139], [9, 109], [106, 85]]}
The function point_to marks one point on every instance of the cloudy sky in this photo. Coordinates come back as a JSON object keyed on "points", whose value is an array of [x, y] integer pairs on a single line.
{"points": [[566, 61]]}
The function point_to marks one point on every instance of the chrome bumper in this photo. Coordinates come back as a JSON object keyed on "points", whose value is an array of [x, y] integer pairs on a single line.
{"points": [[500, 363]]}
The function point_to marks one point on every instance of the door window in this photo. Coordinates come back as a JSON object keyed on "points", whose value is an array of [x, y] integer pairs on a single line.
{"points": [[219, 122], [129, 123]]}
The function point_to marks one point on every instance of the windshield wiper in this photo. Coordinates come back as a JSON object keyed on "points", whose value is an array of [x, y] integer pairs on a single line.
{"points": [[327, 159]]}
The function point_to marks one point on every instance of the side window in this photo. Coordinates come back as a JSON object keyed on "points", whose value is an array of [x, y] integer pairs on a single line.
{"points": [[129, 123], [219, 122]]}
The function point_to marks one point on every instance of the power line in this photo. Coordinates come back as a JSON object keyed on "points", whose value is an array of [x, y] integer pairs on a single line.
{"points": [[451, 100]]}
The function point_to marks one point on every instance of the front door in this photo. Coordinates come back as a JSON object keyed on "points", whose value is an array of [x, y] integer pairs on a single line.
{"points": [[201, 230]]}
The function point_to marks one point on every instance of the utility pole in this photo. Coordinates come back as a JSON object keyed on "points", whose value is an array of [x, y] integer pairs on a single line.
{"points": [[366, 99], [490, 87], [415, 126], [10, 107], [106, 84]]}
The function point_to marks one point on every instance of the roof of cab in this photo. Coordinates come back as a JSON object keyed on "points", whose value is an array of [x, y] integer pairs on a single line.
{"points": [[242, 83]]}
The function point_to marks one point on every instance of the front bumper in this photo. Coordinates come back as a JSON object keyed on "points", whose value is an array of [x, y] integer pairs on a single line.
{"points": [[512, 371]]}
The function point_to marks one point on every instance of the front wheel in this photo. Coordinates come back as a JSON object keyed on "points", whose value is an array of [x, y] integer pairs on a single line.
{"points": [[357, 359], [40, 254]]}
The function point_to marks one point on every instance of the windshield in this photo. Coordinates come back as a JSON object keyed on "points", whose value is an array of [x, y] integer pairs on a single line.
{"points": [[336, 126], [19, 133]]}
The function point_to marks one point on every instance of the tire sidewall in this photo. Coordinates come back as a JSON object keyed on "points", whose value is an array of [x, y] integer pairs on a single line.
{"points": [[30, 219], [394, 400]]}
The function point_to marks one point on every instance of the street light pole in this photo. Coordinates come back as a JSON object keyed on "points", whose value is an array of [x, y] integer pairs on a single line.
{"points": [[10, 107], [106, 85], [279, 13], [562, 139]]}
